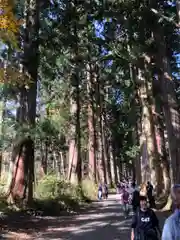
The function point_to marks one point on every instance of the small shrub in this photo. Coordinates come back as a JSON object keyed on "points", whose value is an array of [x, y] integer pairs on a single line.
{"points": [[55, 195], [3, 205], [3, 184], [89, 189]]}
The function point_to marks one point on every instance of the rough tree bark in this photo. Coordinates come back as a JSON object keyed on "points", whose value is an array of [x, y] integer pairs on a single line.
{"points": [[137, 135], [114, 161], [91, 78], [169, 102], [26, 113], [137, 159], [106, 152], [101, 147], [75, 163], [106, 137], [22, 157], [74, 154], [162, 148], [148, 125]]}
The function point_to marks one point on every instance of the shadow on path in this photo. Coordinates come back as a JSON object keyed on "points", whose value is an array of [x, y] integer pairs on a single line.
{"points": [[104, 220]]}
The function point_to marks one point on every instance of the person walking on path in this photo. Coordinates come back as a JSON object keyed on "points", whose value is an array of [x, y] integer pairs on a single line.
{"points": [[150, 196], [120, 196], [135, 198], [105, 191], [100, 191], [171, 230], [125, 201], [145, 224], [130, 191], [118, 187]]}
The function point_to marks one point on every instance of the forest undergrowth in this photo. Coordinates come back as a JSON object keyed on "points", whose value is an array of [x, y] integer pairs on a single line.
{"points": [[53, 196]]}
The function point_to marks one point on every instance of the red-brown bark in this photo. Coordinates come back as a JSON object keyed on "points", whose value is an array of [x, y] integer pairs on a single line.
{"points": [[22, 172]]}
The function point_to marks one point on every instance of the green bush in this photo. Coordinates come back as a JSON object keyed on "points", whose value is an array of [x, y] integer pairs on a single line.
{"points": [[55, 195], [3, 183], [3, 205], [89, 189]]}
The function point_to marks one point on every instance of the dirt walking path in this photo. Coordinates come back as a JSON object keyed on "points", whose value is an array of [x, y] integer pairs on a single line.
{"points": [[103, 221]]}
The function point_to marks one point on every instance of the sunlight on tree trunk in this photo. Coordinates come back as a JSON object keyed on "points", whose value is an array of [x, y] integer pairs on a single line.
{"points": [[148, 128], [137, 160], [102, 159], [162, 150], [170, 106], [91, 124], [74, 173], [73, 151], [26, 114], [114, 162], [22, 174]]}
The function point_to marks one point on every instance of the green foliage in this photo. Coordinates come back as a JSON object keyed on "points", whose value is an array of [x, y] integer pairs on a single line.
{"points": [[3, 183], [53, 194], [68, 42], [132, 151], [89, 189], [3, 205]]}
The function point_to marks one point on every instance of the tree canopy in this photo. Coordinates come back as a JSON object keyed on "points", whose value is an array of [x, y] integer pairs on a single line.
{"points": [[94, 84]]}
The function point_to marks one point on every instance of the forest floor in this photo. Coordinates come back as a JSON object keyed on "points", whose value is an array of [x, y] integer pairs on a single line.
{"points": [[103, 220]]}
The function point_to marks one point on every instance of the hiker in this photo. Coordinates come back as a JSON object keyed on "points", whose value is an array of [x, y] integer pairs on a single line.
{"points": [[150, 196], [125, 197], [118, 187], [145, 225], [121, 192], [171, 230], [105, 191], [135, 198], [100, 189], [130, 190]]}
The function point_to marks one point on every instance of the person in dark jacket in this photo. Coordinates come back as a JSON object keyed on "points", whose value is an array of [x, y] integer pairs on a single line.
{"points": [[150, 196], [105, 191], [135, 198], [145, 224], [125, 201]]}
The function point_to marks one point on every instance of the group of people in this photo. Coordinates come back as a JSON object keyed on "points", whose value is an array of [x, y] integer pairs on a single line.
{"points": [[130, 195], [145, 224]]}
